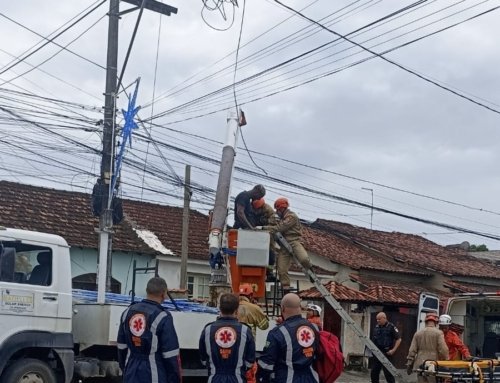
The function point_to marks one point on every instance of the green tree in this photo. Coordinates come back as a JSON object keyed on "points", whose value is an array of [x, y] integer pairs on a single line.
{"points": [[482, 247]]}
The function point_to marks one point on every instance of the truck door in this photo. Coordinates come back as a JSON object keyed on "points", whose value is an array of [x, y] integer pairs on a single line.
{"points": [[28, 299], [427, 303]]}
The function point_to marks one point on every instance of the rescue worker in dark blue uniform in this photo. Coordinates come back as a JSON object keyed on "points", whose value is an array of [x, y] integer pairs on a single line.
{"points": [[148, 349], [290, 347], [387, 338], [227, 347]]}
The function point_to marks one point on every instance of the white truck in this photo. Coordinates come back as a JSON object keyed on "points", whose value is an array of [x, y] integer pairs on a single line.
{"points": [[48, 335]]}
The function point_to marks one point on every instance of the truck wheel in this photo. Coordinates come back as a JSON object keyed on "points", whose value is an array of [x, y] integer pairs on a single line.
{"points": [[29, 371]]}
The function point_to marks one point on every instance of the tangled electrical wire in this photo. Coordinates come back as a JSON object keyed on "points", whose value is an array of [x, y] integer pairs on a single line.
{"points": [[219, 6]]}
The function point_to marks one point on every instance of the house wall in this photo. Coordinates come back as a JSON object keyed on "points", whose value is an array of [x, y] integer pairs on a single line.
{"points": [[353, 347], [84, 261]]}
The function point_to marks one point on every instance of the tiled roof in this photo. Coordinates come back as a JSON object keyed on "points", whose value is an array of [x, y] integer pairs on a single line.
{"points": [[462, 287], [343, 252], [68, 214], [340, 292], [414, 250], [394, 291]]}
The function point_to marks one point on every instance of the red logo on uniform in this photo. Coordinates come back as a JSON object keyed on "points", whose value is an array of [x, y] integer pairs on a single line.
{"points": [[305, 336], [225, 337], [137, 324]]}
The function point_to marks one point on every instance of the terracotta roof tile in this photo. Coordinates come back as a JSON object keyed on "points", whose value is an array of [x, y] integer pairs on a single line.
{"points": [[463, 287], [69, 214], [340, 292], [343, 252], [394, 291], [414, 250]]}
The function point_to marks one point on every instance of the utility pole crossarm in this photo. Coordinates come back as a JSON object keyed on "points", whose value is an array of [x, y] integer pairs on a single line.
{"points": [[154, 6]]}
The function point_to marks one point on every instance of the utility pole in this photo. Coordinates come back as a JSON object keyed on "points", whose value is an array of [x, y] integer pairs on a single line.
{"points": [[371, 215], [108, 142], [185, 227]]}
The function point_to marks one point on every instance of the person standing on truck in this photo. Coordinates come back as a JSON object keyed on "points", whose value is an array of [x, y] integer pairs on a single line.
{"points": [[227, 347], [148, 348], [427, 344], [387, 338], [243, 214], [265, 216], [289, 226], [456, 348], [290, 347]]}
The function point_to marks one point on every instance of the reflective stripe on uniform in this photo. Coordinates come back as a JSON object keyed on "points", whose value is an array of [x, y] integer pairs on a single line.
{"points": [[154, 346], [208, 348], [170, 354], [265, 366], [124, 316], [121, 346], [241, 351], [289, 354]]}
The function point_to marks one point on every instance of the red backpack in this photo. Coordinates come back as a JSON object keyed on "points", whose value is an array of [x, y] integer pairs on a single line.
{"points": [[329, 362]]}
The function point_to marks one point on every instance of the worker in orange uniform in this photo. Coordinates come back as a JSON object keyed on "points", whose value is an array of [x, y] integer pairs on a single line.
{"points": [[456, 348], [291, 229], [313, 315], [252, 315], [264, 215]]}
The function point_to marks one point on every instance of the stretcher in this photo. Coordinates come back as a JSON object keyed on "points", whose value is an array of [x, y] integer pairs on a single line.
{"points": [[462, 371]]}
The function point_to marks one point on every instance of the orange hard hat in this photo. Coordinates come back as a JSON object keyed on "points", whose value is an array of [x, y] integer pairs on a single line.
{"points": [[246, 289], [281, 203], [432, 316], [258, 203]]}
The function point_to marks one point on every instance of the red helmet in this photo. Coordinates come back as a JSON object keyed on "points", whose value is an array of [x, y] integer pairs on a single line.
{"points": [[258, 203], [281, 203], [246, 289], [433, 317]]}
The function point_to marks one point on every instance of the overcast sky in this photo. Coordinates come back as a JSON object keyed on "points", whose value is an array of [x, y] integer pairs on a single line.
{"points": [[372, 121]]}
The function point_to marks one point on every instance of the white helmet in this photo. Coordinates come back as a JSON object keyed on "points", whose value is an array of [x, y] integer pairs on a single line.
{"points": [[445, 320], [316, 308]]}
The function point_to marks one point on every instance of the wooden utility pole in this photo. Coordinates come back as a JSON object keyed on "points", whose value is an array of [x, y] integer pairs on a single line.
{"points": [[109, 137], [185, 227]]}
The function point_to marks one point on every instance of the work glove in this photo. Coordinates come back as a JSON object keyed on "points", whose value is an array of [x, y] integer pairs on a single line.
{"points": [[469, 358]]}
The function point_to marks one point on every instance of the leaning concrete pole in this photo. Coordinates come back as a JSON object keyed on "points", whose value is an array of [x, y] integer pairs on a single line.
{"points": [[218, 280]]}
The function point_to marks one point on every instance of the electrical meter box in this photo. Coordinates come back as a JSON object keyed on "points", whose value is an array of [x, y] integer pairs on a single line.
{"points": [[253, 248]]}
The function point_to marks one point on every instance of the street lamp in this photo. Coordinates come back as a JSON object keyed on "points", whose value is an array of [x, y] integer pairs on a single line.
{"points": [[371, 215]]}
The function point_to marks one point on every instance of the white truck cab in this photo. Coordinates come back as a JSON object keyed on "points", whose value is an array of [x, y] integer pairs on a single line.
{"points": [[35, 307]]}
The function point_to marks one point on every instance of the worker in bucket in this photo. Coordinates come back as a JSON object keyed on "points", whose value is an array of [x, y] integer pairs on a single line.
{"points": [[148, 348], [265, 216], [456, 348], [427, 344], [227, 347], [313, 315], [243, 214], [290, 347], [252, 315], [291, 229]]}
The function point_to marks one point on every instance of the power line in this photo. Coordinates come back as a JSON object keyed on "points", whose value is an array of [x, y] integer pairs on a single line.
{"points": [[395, 63]]}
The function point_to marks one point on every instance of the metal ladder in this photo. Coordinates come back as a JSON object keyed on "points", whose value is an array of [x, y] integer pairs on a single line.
{"points": [[343, 314]]}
